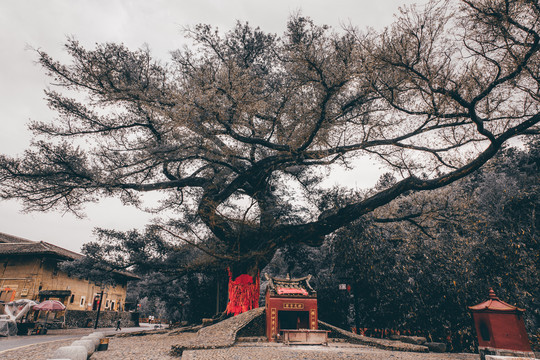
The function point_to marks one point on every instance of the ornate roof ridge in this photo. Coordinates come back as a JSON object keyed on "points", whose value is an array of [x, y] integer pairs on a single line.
{"points": [[289, 279], [276, 285]]}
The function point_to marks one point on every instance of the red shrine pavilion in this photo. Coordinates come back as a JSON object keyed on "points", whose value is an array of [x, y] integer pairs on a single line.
{"points": [[500, 328], [291, 304]]}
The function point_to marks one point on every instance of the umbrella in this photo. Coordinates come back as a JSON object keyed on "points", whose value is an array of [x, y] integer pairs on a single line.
{"points": [[50, 305]]}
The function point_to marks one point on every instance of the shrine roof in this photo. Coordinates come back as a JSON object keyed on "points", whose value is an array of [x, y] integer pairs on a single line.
{"points": [[494, 304], [288, 287]]}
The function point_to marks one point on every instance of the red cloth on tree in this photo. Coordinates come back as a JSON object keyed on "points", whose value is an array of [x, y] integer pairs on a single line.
{"points": [[243, 294]]}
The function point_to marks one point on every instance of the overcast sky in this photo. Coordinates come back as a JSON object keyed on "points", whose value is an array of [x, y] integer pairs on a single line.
{"points": [[45, 24]]}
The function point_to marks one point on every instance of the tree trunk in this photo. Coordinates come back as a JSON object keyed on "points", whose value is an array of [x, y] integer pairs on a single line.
{"points": [[244, 288]]}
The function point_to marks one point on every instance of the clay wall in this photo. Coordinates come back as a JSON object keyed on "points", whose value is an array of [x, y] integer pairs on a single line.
{"points": [[23, 277]]}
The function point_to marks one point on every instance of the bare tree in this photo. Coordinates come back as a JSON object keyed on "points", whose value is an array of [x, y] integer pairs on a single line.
{"points": [[240, 129]]}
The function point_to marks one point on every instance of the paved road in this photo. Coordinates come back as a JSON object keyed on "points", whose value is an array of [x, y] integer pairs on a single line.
{"points": [[12, 342], [18, 341]]}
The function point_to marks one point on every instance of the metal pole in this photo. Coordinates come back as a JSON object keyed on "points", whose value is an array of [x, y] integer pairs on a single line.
{"points": [[99, 308], [217, 296]]}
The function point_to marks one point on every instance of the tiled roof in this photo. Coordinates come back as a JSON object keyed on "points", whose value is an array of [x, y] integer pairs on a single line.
{"points": [[299, 287], [495, 304], [6, 238], [13, 245]]}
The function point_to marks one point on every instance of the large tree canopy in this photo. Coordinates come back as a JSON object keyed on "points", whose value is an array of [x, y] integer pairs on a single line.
{"points": [[239, 130]]}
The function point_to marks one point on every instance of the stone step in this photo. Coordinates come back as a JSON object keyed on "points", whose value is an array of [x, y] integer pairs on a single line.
{"points": [[252, 339]]}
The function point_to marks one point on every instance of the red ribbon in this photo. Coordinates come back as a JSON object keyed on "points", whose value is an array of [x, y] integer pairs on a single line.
{"points": [[243, 293]]}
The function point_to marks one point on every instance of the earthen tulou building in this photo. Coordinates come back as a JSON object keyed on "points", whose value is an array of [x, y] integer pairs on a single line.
{"points": [[30, 270]]}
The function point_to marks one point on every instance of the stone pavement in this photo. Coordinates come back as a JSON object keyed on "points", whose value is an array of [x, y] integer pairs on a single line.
{"points": [[36, 351], [310, 352], [45, 345], [158, 347]]}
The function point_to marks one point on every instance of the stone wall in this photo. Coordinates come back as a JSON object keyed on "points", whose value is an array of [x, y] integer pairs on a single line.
{"points": [[257, 327], [82, 318]]}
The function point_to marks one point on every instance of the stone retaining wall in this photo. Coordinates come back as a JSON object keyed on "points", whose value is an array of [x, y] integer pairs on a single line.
{"points": [[219, 335], [257, 327], [365, 340], [84, 318]]}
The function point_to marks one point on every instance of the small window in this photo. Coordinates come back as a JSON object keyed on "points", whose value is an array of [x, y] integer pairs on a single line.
{"points": [[83, 301], [72, 298]]}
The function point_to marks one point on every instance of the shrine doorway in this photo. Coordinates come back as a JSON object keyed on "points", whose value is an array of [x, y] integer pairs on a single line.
{"points": [[293, 320]]}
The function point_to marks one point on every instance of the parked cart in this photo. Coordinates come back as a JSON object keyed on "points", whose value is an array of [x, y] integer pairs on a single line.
{"points": [[15, 321]]}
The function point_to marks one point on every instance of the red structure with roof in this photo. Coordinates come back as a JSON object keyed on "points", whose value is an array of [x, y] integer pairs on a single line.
{"points": [[290, 304], [500, 328]]}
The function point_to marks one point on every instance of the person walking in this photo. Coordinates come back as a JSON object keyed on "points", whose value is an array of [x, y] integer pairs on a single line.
{"points": [[118, 325]]}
